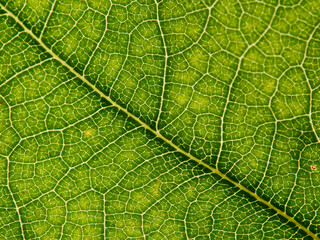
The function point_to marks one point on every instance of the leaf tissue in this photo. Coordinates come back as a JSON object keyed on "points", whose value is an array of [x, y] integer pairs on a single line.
{"points": [[159, 119]]}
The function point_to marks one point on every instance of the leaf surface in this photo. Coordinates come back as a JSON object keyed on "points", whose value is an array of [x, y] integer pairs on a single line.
{"points": [[159, 120]]}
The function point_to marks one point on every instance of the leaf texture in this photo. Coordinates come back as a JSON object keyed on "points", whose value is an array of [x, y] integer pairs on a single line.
{"points": [[170, 119]]}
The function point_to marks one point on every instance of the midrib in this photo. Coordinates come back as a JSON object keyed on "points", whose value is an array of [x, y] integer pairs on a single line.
{"points": [[157, 133]]}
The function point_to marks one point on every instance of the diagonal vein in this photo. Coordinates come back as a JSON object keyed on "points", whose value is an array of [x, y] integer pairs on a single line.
{"points": [[158, 134]]}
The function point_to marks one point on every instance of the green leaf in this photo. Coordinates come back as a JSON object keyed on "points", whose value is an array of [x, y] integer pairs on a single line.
{"points": [[170, 119]]}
